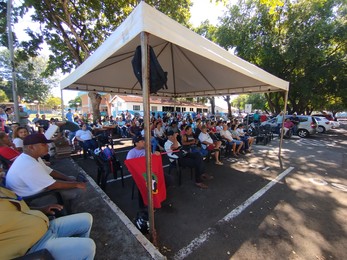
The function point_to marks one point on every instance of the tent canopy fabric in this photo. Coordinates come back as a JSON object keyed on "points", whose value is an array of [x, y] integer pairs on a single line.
{"points": [[195, 65]]}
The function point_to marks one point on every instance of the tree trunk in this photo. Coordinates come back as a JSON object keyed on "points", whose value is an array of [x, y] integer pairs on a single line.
{"points": [[213, 105], [227, 99], [96, 100]]}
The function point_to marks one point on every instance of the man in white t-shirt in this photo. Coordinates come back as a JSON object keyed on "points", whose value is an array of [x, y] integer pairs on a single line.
{"points": [[29, 175], [231, 143], [86, 138]]}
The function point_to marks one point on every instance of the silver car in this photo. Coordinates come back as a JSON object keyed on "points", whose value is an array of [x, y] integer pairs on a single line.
{"points": [[306, 127]]}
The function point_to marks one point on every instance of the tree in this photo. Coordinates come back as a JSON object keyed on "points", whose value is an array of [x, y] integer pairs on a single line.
{"points": [[96, 100], [3, 96], [302, 42], [53, 102], [74, 29], [227, 99], [31, 84], [75, 102]]}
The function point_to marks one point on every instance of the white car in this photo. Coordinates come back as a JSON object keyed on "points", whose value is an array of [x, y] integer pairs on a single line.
{"points": [[323, 124], [335, 124]]}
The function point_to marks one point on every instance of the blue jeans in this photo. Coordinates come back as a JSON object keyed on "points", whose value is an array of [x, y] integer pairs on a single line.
{"points": [[68, 238]]}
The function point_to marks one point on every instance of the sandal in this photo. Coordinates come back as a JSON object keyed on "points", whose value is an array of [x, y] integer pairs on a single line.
{"points": [[201, 185], [220, 163]]}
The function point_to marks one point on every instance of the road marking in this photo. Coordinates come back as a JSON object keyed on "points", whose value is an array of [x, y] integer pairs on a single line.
{"points": [[204, 236]]}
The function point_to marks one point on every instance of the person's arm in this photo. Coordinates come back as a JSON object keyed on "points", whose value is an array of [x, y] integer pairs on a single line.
{"points": [[60, 176], [59, 185], [175, 145], [185, 140], [49, 209]]}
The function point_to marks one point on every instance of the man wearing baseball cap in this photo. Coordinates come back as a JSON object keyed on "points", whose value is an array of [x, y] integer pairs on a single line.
{"points": [[29, 175]]}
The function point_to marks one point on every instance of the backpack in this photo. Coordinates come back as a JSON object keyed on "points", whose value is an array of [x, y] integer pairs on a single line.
{"points": [[107, 154], [109, 160], [157, 76]]}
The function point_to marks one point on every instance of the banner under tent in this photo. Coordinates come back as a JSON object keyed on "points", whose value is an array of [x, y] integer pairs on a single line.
{"points": [[196, 67]]}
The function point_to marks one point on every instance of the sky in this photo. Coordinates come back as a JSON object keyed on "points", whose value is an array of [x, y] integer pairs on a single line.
{"points": [[200, 11]]}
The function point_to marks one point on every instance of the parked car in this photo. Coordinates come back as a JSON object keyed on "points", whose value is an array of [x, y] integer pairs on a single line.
{"points": [[326, 115], [335, 124], [307, 125], [341, 116], [323, 124]]}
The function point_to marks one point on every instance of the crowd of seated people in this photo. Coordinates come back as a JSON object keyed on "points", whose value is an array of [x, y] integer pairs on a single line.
{"points": [[26, 228]]}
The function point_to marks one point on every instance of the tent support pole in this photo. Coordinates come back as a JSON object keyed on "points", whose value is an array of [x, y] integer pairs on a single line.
{"points": [[282, 129], [146, 107], [62, 106]]}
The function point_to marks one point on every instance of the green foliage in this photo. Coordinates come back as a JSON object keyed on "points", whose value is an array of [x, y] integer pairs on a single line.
{"points": [[74, 29], [75, 102], [258, 101], [31, 85], [25, 49], [53, 102], [207, 30], [3, 96], [303, 42]]}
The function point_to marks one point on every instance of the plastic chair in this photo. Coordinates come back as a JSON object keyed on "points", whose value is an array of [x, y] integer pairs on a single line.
{"points": [[175, 165], [105, 168]]}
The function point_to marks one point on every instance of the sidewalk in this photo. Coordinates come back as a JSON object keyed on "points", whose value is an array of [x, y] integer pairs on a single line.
{"points": [[114, 234]]}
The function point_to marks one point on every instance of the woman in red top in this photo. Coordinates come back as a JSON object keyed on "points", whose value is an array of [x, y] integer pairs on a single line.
{"points": [[7, 148]]}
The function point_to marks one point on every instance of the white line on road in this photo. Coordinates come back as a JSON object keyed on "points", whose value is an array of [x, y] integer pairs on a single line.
{"points": [[203, 237]]}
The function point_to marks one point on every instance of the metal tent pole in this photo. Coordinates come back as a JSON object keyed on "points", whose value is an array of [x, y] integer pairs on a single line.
{"points": [[146, 107], [10, 47], [282, 129]]}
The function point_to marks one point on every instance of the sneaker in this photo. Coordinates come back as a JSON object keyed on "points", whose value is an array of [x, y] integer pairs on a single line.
{"points": [[219, 163]]}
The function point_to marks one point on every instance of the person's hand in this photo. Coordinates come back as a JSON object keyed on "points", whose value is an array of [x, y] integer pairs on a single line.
{"points": [[51, 209], [157, 153]]}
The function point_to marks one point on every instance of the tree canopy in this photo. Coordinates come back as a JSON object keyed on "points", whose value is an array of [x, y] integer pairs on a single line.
{"points": [[303, 42], [31, 85], [74, 29]]}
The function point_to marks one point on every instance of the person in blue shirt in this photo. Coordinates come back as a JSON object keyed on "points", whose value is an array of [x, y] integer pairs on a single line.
{"points": [[69, 115]]}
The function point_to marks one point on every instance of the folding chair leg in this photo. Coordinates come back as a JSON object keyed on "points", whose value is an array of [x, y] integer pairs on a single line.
{"points": [[133, 190], [122, 176]]}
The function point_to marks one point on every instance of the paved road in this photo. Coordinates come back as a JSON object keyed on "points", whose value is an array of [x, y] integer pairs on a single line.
{"points": [[254, 208]]}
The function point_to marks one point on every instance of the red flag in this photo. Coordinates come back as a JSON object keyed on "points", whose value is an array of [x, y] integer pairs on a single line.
{"points": [[137, 168]]}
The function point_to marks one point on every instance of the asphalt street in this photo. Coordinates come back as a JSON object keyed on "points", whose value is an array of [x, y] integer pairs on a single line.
{"points": [[257, 206]]}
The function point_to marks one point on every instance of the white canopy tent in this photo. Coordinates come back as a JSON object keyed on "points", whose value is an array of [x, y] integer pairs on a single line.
{"points": [[195, 66]]}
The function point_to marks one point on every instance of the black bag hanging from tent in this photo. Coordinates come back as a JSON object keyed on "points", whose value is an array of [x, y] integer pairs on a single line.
{"points": [[157, 76]]}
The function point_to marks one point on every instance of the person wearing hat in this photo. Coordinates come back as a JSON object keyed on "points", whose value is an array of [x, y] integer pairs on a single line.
{"points": [[29, 175], [192, 160], [139, 148], [136, 152]]}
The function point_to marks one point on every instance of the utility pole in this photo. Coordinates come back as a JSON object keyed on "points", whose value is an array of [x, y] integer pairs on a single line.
{"points": [[10, 47]]}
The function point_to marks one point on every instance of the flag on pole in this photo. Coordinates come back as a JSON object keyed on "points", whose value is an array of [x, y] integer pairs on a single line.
{"points": [[137, 168]]}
